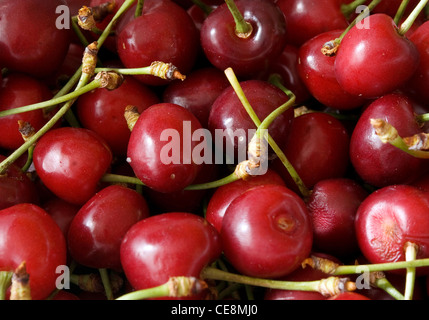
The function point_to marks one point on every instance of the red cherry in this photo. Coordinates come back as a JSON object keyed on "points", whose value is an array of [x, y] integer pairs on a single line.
{"points": [[164, 32], [29, 234], [318, 74], [102, 111], [31, 42], [378, 163], [315, 136], [97, 230], [266, 232], [252, 54], [18, 90], [224, 195], [71, 161], [166, 245], [375, 61], [308, 18], [65, 295], [157, 151], [333, 204], [349, 296], [389, 218]]}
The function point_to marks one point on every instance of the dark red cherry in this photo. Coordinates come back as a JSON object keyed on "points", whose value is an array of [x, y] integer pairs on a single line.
{"points": [[266, 232], [333, 204], [32, 41], [166, 245], [389, 218], [164, 32], [252, 54], [231, 126], [97, 230], [197, 92], [18, 90], [16, 187], [308, 18], [375, 61], [224, 195], [102, 111], [318, 74], [314, 136], [381, 164], [30, 235], [165, 147], [71, 161]]}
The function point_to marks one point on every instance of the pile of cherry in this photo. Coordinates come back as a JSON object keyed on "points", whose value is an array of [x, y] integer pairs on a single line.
{"points": [[90, 210]]}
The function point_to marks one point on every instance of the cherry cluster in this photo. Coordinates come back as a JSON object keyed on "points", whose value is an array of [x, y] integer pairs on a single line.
{"points": [[328, 96]]}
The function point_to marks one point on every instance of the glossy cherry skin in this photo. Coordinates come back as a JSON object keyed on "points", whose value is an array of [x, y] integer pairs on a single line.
{"points": [[31, 42], [375, 61], [97, 230], [349, 296], [308, 18], [29, 234], [389, 218], [224, 195], [62, 212], [251, 55], [317, 72], [381, 164], [153, 158], [71, 161], [333, 204], [166, 245], [102, 111], [228, 117], [197, 92], [315, 136], [164, 32], [18, 90], [266, 232]]}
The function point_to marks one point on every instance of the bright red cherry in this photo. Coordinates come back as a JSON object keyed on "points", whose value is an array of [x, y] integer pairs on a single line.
{"points": [[166, 245], [375, 61], [71, 161], [32, 42], [97, 230], [250, 54], [29, 234], [266, 232], [349, 296]]}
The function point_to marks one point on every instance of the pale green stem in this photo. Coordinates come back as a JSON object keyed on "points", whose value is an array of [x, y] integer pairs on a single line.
{"points": [[408, 23]]}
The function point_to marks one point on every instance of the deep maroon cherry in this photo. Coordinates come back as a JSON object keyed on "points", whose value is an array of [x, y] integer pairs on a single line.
{"points": [[333, 204], [102, 111], [164, 32], [228, 117], [30, 235], [251, 54], [166, 245], [31, 41], [375, 61], [197, 92], [18, 90], [97, 230], [389, 218], [165, 148], [266, 232], [71, 161], [318, 149], [318, 74], [224, 195], [381, 164], [308, 18]]}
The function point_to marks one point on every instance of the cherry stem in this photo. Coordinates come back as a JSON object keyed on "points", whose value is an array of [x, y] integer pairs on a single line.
{"points": [[243, 29], [350, 8], [384, 284], [328, 286], [387, 266], [410, 278], [204, 7], [117, 178], [106, 283], [408, 23], [401, 11], [5, 282], [139, 8]]}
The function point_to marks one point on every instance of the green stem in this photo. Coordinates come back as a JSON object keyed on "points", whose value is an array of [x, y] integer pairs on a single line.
{"points": [[204, 7], [422, 117], [139, 8], [5, 282], [385, 285], [29, 159], [78, 32], [388, 266], [214, 184], [242, 27], [408, 23], [106, 283], [150, 293], [350, 8], [410, 278], [401, 11], [116, 178], [126, 71]]}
